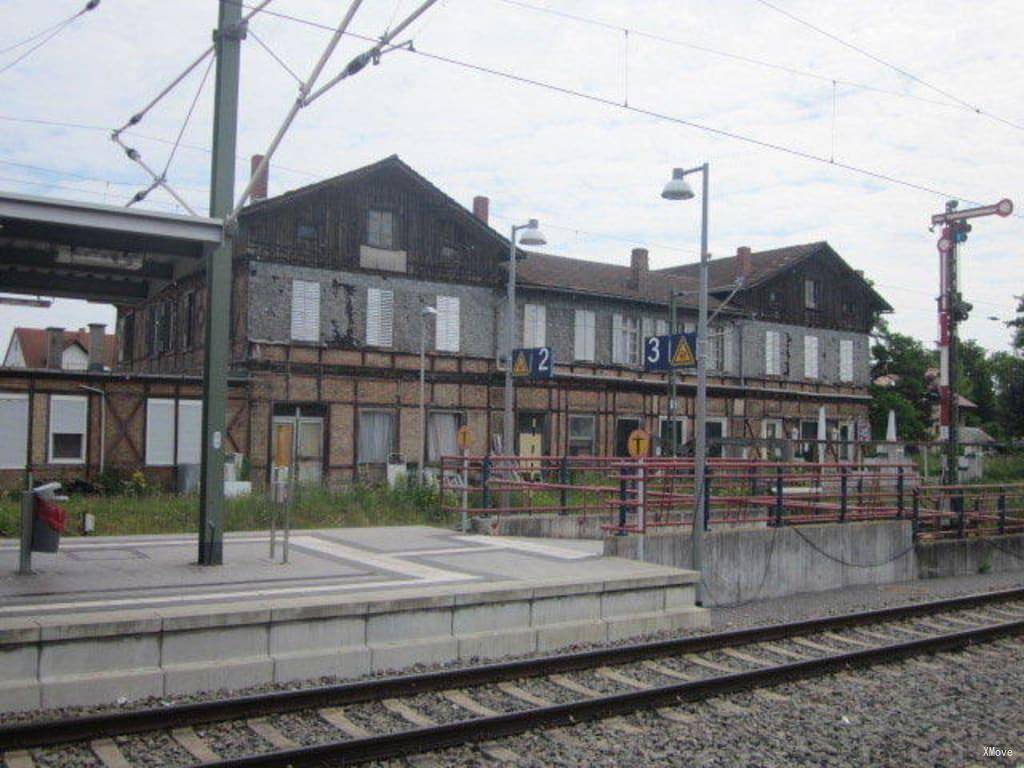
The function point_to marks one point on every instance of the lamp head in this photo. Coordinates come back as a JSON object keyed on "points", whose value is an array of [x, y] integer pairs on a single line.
{"points": [[428, 310], [531, 234], [677, 188]]}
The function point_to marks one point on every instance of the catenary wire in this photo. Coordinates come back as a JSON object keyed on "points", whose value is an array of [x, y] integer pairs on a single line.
{"points": [[47, 35], [895, 67]]}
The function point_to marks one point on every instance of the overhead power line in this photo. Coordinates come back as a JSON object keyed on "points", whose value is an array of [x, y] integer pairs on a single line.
{"points": [[664, 116], [45, 36], [895, 67]]}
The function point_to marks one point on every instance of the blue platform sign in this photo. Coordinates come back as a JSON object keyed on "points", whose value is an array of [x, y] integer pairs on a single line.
{"points": [[533, 363], [663, 353]]}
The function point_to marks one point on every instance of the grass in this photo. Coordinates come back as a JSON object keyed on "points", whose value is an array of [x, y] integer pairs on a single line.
{"points": [[1004, 468], [315, 507]]}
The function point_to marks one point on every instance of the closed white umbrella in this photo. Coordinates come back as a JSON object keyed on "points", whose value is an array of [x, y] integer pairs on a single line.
{"points": [[890, 430]]}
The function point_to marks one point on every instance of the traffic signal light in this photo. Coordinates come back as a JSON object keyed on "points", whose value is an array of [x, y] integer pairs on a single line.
{"points": [[961, 308], [960, 231]]}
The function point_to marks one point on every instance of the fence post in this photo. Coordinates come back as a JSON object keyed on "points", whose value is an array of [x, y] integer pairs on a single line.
{"points": [[1002, 513], [563, 480], [915, 526], [899, 492], [960, 509], [623, 495], [707, 499], [485, 482], [778, 495], [843, 501]]}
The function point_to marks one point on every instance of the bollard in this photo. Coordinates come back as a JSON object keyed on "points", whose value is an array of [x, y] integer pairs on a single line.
{"points": [[843, 501], [1002, 513], [899, 492], [778, 496]]}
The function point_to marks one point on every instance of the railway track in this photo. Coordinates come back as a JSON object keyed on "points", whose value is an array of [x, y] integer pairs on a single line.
{"points": [[387, 717]]}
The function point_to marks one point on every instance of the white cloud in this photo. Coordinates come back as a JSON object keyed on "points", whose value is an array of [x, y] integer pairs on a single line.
{"points": [[579, 165]]}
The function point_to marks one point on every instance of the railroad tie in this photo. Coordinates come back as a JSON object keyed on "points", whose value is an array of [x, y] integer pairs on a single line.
{"points": [[877, 635], [935, 626], [523, 695], [19, 758], [407, 713], [189, 740], [675, 716], [848, 639], [263, 728], [571, 685], [772, 696], [623, 725], [778, 650], [617, 677], [468, 703], [495, 751], [109, 753], [661, 669], [746, 657], [336, 716], [714, 666], [827, 649]]}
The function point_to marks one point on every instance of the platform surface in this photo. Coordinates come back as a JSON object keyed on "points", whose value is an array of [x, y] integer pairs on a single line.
{"points": [[147, 573]]}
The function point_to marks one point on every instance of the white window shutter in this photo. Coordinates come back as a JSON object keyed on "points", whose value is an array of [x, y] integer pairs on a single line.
{"points": [[727, 349], [534, 325], [447, 331], [387, 318], [305, 310], [646, 328], [190, 431], [14, 427], [618, 350], [772, 353], [580, 332], [159, 432], [846, 360], [811, 357], [380, 308]]}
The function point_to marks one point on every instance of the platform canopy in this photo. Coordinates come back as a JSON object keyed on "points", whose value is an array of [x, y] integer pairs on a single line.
{"points": [[101, 253]]}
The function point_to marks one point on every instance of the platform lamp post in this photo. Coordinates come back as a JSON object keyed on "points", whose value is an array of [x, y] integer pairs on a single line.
{"points": [[678, 189], [531, 235], [424, 314]]}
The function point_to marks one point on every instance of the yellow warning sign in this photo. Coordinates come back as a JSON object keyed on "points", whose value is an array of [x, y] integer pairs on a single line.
{"points": [[638, 443], [521, 367], [683, 355], [462, 438]]}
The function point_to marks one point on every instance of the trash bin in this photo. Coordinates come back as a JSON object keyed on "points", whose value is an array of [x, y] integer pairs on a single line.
{"points": [[49, 519]]}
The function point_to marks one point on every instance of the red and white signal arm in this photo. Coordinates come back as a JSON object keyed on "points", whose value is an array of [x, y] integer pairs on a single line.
{"points": [[1004, 207]]}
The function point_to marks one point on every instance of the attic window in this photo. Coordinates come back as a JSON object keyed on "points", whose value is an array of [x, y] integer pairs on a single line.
{"points": [[306, 231], [381, 230], [849, 308], [812, 294]]}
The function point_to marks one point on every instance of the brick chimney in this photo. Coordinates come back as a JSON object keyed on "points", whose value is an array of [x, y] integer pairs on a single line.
{"points": [[744, 265], [639, 265], [55, 348], [482, 208], [97, 342], [259, 189]]}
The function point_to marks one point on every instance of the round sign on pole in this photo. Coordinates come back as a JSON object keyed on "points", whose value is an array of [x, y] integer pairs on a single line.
{"points": [[1004, 207], [639, 443], [462, 438]]}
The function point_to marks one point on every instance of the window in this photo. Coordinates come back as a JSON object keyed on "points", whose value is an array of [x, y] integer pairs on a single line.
{"points": [[14, 426], [772, 353], [810, 357], [305, 310], [380, 312], [582, 432], [380, 229], [772, 429], [188, 321], [447, 324], [163, 318], [442, 432], [667, 438], [126, 338], [625, 340], [305, 231], [661, 328], [68, 428], [170, 440], [716, 430], [812, 294], [647, 327], [808, 437], [849, 308], [535, 321], [376, 437], [74, 358], [846, 360], [585, 333], [716, 349]]}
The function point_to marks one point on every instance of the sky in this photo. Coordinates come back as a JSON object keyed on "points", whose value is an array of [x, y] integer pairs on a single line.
{"points": [[591, 171]]}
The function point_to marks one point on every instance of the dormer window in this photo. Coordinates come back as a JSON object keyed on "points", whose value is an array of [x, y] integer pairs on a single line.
{"points": [[381, 229]]}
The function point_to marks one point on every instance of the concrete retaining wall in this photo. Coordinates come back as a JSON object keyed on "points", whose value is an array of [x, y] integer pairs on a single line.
{"points": [[965, 557], [742, 565], [88, 659]]}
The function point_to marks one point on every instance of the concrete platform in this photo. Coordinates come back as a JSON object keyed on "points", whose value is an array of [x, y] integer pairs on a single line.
{"points": [[130, 617]]}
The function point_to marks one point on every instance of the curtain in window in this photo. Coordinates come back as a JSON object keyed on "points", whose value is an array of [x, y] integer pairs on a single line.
{"points": [[376, 429], [441, 436]]}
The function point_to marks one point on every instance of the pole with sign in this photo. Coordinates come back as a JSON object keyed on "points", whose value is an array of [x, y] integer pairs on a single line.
{"points": [[462, 440]]}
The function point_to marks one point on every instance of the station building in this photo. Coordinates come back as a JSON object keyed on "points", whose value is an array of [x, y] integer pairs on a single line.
{"points": [[329, 286]]}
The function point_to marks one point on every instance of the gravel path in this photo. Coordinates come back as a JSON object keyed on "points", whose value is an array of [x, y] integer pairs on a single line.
{"points": [[937, 712]]}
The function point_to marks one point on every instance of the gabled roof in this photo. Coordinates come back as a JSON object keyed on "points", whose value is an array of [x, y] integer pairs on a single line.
{"points": [[764, 265], [563, 273], [393, 163], [33, 343]]}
